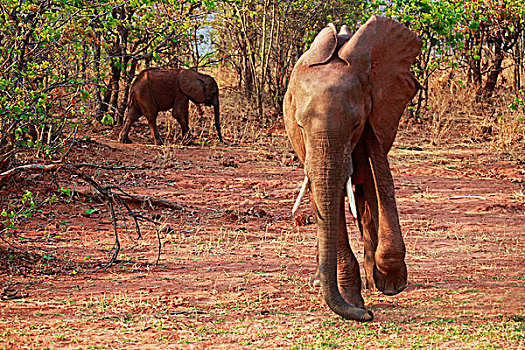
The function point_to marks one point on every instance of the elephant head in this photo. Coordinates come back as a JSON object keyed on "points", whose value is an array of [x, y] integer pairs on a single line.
{"points": [[201, 88], [341, 112]]}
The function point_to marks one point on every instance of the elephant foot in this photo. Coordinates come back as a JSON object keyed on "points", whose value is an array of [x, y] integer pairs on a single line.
{"points": [[159, 142], [315, 280], [369, 283], [357, 314], [352, 297], [391, 281], [124, 140]]}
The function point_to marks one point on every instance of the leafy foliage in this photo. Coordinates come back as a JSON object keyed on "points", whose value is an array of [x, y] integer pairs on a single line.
{"points": [[61, 61], [78, 66], [460, 34]]}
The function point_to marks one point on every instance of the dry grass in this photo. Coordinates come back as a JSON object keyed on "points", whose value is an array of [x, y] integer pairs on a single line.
{"points": [[231, 279], [444, 109], [519, 197], [240, 120], [454, 113], [508, 125]]}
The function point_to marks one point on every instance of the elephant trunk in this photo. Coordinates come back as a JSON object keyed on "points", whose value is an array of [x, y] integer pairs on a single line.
{"points": [[328, 175], [217, 118]]}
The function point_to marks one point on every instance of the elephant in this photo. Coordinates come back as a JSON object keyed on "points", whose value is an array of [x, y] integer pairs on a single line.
{"points": [[341, 112], [161, 89]]}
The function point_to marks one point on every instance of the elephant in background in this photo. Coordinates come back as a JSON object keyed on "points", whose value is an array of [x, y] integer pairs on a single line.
{"points": [[341, 112], [160, 89]]}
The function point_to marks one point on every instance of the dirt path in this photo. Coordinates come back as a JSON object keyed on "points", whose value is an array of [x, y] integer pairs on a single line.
{"points": [[234, 267]]}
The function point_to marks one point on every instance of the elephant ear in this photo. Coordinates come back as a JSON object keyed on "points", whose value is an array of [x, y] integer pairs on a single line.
{"points": [[385, 49], [323, 47], [192, 85]]}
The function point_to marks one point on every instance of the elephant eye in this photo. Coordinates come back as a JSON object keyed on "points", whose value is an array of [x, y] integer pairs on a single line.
{"points": [[356, 126]]}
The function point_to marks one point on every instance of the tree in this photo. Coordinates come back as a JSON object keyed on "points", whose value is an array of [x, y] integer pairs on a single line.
{"points": [[499, 25], [152, 32], [262, 39], [65, 60], [39, 89], [476, 34]]}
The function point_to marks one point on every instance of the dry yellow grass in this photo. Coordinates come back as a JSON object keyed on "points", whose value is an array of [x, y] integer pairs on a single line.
{"points": [[452, 115]]}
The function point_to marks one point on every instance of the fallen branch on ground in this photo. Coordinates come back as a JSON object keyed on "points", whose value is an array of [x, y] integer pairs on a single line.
{"points": [[113, 196], [54, 166], [133, 198], [149, 200]]}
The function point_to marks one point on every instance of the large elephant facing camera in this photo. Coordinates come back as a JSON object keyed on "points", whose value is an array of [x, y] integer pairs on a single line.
{"points": [[160, 89], [341, 112]]}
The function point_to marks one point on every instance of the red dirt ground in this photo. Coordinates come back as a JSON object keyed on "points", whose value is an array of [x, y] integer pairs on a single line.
{"points": [[234, 265]]}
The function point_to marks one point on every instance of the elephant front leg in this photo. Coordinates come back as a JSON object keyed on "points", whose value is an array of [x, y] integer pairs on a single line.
{"points": [[384, 250], [369, 234], [180, 113], [390, 272]]}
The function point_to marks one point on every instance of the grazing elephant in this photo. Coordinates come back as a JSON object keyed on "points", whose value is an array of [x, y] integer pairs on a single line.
{"points": [[341, 112], [160, 89]]}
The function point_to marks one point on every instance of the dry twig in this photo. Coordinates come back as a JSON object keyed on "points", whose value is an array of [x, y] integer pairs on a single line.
{"points": [[111, 195]]}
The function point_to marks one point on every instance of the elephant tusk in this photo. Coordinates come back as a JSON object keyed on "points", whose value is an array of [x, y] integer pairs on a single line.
{"points": [[301, 195], [351, 198]]}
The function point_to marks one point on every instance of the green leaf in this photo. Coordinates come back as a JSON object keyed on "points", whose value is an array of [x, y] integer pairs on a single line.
{"points": [[474, 25], [107, 120]]}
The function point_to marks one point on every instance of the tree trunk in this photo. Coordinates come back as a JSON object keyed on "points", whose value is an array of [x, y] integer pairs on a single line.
{"points": [[127, 85], [474, 61], [495, 71], [98, 91], [115, 86]]}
